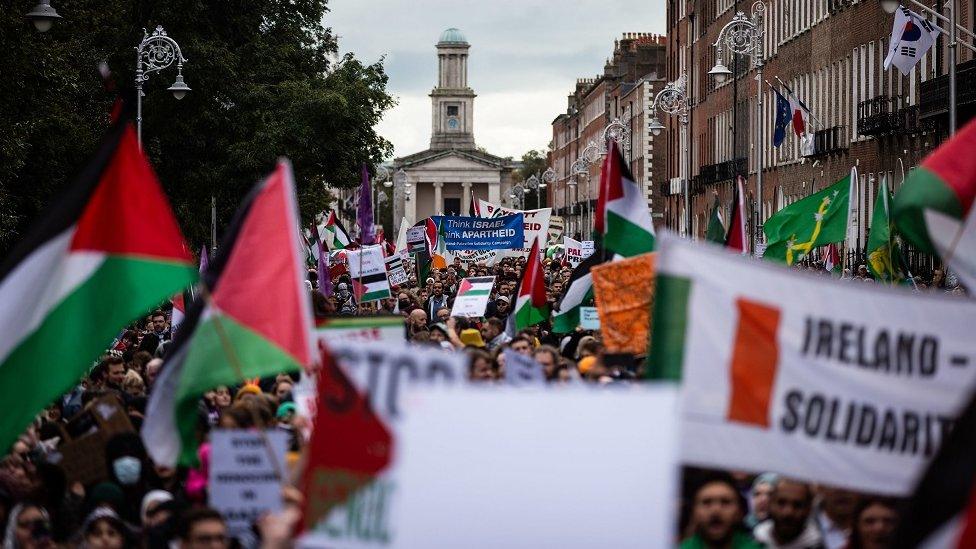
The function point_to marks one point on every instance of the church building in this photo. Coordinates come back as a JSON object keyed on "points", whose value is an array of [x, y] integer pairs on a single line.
{"points": [[445, 177]]}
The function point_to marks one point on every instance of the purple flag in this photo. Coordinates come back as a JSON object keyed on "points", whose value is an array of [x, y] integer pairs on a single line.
{"points": [[204, 259], [364, 214], [325, 279]]}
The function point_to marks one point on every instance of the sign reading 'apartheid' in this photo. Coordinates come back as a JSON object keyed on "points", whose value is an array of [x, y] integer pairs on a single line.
{"points": [[842, 384], [536, 225], [480, 233]]}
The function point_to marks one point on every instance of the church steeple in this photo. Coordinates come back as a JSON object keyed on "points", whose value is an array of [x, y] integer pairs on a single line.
{"points": [[452, 101]]}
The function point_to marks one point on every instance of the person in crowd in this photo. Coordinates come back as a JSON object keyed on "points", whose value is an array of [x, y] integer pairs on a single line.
{"points": [[548, 358], [717, 512], [152, 370], [28, 527], [790, 525], [442, 314], [835, 515], [493, 332], [438, 299], [762, 487], [874, 522], [481, 367], [203, 528], [103, 529], [132, 384], [416, 323], [521, 345]]}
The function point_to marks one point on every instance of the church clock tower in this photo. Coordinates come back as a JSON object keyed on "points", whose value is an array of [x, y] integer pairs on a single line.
{"points": [[452, 101]]}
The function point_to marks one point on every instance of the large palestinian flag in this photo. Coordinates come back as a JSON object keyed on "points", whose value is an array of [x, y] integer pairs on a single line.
{"points": [[945, 182], [622, 217], [579, 290], [254, 321], [335, 235], [105, 254], [530, 305]]}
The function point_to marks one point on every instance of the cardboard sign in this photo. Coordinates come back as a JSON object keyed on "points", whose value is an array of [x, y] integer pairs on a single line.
{"points": [[245, 482], [479, 233], [395, 271], [472, 296], [536, 225], [416, 239], [367, 268], [846, 384], [408, 481], [82, 454], [624, 291], [589, 318]]}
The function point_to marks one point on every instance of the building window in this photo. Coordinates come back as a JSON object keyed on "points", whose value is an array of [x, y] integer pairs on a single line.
{"points": [[452, 110], [452, 206]]}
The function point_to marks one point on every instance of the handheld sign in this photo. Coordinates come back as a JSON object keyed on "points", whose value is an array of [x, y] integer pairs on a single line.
{"points": [[479, 233], [416, 239], [472, 296], [589, 318]]}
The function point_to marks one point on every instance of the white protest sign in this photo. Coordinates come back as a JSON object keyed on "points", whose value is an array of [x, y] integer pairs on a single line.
{"points": [[556, 224], [452, 442], [587, 248], [574, 251], [589, 318], [484, 257], [536, 225], [367, 268], [416, 239], [472, 296], [836, 383], [394, 269], [244, 482], [521, 369]]}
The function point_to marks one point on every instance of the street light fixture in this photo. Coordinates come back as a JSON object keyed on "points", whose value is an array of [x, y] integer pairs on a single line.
{"points": [[43, 16], [673, 101], [744, 36], [155, 53], [890, 6], [655, 126]]}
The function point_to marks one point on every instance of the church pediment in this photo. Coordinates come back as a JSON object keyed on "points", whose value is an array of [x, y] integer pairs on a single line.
{"points": [[453, 160]]}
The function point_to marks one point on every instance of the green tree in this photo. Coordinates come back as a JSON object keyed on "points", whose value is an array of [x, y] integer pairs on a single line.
{"points": [[534, 162], [267, 80]]}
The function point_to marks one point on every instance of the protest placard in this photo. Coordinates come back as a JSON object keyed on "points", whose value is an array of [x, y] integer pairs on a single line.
{"points": [[836, 383], [479, 233], [416, 239], [624, 291], [556, 224], [587, 248], [245, 482], [589, 318], [408, 481], [472, 296], [395, 272], [484, 257], [574, 251], [367, 269], [536, 225]]}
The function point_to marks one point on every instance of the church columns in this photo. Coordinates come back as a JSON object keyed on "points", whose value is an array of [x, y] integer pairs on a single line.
{"points": [[495, 193], [466, 199], [438, 197]]}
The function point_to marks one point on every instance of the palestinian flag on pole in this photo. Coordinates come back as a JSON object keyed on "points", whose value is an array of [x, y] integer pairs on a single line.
{"points": [[530, 305], [715, 232], [818, 219], [882, 249], [736, 237], [579, 290], [254, 321], [945, 182], [942, 511], [106, 253], [622, 217], [336, 237], [471, 287]]}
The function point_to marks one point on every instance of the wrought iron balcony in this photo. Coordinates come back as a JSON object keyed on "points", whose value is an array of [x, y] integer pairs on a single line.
{"points": [[877, 116], [716, 173], [933, 96], [829, 141]]}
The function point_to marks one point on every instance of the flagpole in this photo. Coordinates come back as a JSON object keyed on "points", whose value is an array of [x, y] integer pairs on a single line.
{"points": [[802, 104]]}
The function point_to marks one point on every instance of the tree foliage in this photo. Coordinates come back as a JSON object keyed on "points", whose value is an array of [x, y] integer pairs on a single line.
{"points": [[267, 81]]}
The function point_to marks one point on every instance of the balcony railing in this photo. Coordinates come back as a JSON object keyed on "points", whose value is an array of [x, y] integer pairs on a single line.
{"points": [[829, 141], [933, 96], [716, 173], [877, 116]]}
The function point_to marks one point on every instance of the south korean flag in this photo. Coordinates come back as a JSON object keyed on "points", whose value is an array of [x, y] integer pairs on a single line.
{"points": [[911, 37]]}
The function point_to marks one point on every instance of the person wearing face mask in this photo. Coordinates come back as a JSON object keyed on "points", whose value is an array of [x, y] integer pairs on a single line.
{"points": [[129, 467]]}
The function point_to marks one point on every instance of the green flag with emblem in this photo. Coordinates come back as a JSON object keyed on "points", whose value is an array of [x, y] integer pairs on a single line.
{"points": [[882, 250], [819, 219]]}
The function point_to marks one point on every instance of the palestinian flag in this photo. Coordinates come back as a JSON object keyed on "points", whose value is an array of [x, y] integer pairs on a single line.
{"points": [[818, 219], [831, 258], [336, 237], [579, 290], [715, 232], [106, 253], [530, 305], [882, 249], [622, 217], [478, 286], [736, 237], [255, 321], [367, 269], [945, 182], [942, 511]]}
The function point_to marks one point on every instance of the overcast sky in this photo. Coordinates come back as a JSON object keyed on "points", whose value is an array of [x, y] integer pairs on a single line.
{"points": [[524, 59]]}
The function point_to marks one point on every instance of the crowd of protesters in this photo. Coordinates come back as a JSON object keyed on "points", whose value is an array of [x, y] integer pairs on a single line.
{"points": [[138, 504]]}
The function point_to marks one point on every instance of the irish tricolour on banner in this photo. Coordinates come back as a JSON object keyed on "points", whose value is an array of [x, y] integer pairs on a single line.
{"points": [[108, 252], [790, 372], [254, 321]]}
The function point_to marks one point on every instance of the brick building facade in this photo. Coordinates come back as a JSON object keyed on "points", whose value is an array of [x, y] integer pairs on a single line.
{"points": [[831, 53], [623, 92]]}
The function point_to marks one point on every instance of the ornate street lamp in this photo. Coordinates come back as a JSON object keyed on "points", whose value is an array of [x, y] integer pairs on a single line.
{"points": [[43, 16], [673, 101], [744, 36], [155, 53]]}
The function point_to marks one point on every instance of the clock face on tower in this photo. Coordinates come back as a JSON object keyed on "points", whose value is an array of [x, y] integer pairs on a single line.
{"points": [[452, 123]]}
